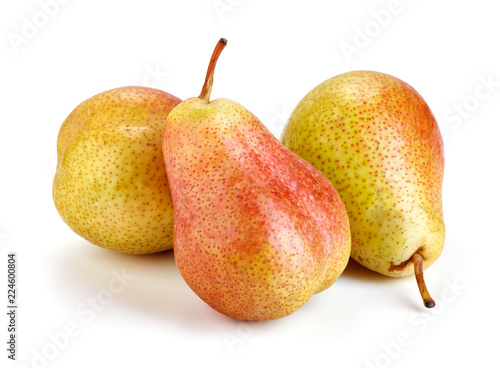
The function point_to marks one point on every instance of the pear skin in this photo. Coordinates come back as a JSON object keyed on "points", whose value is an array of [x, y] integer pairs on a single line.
{"points": [[110, 186], [375, 138], [258, 230]]}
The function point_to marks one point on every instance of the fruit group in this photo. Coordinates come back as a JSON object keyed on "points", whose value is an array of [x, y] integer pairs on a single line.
{"points": [[258, 230], [375, 138], [110, 186]]}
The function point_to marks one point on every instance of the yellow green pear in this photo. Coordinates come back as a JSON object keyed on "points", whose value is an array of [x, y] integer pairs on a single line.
{"points": [[110, 185], [375, 138]]}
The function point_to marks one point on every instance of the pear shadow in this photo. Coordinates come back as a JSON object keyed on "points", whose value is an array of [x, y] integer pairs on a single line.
{"points": [[356, 271], [153, 286], [401, 290]]}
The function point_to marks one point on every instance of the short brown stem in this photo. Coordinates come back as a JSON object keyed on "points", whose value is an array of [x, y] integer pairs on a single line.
{"points": [[418, 260], [209, 79]]}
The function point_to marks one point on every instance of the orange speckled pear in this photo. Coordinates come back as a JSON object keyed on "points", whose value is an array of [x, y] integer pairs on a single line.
{"points": [[258, 230], [110, 186], [378, 142]]}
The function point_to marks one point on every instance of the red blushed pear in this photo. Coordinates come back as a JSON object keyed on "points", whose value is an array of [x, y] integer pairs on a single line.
{"points": [[378, 142], [258, 230]]}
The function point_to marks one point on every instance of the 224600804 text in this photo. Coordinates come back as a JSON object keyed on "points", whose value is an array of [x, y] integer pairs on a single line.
{"points": [[11, 306]]}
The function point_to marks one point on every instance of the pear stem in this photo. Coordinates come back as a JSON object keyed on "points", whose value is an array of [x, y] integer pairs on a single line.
{"points": [[418, 260], [209, 79]]}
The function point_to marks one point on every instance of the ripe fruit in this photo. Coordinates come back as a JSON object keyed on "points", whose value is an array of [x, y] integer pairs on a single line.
{"points": [[110, 186], [258, 230], [378, 142]]}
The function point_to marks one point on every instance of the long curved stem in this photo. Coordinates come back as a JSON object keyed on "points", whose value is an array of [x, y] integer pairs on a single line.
{"points": [[209, 79], [417, 260]]}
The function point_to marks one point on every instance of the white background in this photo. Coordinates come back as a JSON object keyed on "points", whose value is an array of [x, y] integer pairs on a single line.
{"points": [[277, 51]]}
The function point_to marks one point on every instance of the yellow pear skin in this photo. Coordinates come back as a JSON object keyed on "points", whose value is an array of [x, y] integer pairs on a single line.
{"points": [[111, 186], [375, 138]]}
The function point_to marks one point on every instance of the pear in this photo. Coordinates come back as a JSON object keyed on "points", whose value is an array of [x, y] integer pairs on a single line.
{"points": [[258, 230], [375, 138], [110, 185]]}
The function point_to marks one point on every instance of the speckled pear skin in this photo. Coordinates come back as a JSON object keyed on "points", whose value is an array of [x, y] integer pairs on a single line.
{"points": [[378, 142], [110, 186], [258, 230]]}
